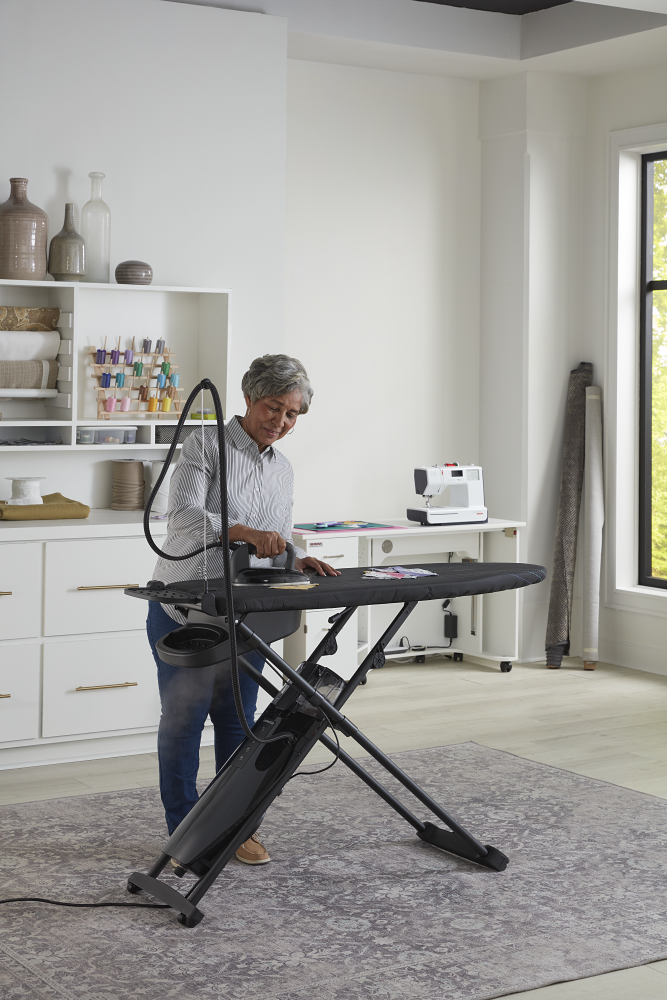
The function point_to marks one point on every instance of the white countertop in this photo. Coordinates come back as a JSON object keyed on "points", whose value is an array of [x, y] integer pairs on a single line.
{"points": [[401, 526], [121, 523], [98, 524]]}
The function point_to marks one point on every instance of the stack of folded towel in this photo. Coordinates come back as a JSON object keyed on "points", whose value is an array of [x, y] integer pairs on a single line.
{"points": [[29, 345]]}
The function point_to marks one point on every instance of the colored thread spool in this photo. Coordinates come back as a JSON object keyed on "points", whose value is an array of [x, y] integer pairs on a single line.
{"points": [[166, 404], [106, 380], [115, 357], [111, 404], [120, 380], [125, 404], [138, 368], [166, 367], [175, 379], [161, 381], [143, 393], [129, 357], [152, 404], [171, 392], [147, 346], [159, 347], [101, 356]]}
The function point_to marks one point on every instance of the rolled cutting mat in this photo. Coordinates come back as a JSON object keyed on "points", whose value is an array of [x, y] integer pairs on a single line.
{"points": [[557, 641], [128, 485], [593, 523]]}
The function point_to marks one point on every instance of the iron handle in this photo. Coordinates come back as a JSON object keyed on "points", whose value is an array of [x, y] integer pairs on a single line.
{"points": [[5, 696], [105, 687], [111, 586], [5, 593]]}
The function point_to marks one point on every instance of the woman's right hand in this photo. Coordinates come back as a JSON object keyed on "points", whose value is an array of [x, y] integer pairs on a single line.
{"points": [[269, 544]]}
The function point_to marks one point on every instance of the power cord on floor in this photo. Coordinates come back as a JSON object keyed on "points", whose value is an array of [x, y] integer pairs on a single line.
{"points": [[58, 902]]}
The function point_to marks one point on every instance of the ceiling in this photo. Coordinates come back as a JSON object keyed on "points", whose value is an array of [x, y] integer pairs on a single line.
{"points": [[501, 6]]}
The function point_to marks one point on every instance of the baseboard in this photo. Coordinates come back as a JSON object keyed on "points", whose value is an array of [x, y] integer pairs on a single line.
{"points": [[633, 655], [38, 754]]}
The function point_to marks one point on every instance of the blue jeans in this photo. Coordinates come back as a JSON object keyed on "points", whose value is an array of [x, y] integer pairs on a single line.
{"points": [[187, 697]]}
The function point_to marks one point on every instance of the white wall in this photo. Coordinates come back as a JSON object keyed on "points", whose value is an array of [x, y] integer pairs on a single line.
{"points": [[618, 101], [382, 282], [532, 128], [183, 108]]}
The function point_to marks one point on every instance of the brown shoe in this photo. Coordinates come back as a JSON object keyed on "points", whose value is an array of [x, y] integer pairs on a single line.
{"points": [[253, 852]]}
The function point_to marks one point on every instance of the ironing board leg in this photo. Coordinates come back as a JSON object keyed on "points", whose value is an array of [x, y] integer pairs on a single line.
{"points": [[457, 842], [372, 783]]}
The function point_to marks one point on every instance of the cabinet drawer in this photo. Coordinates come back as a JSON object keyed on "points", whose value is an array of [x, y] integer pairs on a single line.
{"points": [[97, 664], [20, 590], [84, 583], [19, 678], [336, 551]]}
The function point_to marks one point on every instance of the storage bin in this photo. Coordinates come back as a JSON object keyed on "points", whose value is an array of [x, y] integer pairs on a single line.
{"points": [[110, 435], [86, 435], [130, 435]]}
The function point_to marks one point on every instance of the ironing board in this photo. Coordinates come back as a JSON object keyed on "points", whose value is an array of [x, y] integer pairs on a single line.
{"points": [[232, 806]]}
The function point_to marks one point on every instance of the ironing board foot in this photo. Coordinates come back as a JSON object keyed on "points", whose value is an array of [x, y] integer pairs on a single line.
{"points": [[189, 915], [454, 844]]}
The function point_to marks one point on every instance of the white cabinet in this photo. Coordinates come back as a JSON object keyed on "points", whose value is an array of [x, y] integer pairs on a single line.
{"points": [[340, 553], [99, 685], [19, 692], [84, 582], [20, 590]]}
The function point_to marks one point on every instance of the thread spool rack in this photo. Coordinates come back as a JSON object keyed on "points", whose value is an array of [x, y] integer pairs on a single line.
{"points": [[152, 368]]}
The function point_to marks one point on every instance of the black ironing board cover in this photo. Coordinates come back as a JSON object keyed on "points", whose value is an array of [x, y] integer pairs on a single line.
{"points": [[351, 590]]}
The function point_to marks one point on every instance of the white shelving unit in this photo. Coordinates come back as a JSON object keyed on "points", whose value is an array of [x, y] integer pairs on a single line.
{"points": [[194, 322]]}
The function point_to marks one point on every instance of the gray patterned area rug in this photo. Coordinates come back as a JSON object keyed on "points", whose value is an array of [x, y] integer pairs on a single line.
{"points": [[353, 905]]}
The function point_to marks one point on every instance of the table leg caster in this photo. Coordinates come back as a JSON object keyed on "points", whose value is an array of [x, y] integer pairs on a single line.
{"points": [[505, 667], [458, 657]]}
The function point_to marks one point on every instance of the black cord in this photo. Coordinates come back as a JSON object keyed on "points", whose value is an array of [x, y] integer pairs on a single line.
{"points": [[223, 543], [300, 774], [57, 902]]}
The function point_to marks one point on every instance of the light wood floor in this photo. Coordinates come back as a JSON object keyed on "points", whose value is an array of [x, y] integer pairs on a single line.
{"points": [[608, 724]]}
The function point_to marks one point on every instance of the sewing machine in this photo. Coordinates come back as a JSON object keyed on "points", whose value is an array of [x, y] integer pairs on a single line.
{"points": [[466, 494]]}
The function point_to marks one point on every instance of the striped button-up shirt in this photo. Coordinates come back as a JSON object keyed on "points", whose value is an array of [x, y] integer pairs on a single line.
{"points": [[259, 488]]}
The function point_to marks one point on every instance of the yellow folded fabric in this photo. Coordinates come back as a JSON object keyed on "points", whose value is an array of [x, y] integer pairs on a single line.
{"points": [[54, 507]]}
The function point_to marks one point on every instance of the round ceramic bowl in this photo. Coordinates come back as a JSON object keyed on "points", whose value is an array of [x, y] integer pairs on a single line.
{"points": [[134, 272]]}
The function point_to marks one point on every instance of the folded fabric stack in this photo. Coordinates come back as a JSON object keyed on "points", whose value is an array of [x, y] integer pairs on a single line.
{"points": [[396, 573], [29, 346], [54, 506], [28, 374]]}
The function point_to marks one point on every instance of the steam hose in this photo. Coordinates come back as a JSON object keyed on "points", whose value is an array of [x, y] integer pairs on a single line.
{"points": [[222, 543]]}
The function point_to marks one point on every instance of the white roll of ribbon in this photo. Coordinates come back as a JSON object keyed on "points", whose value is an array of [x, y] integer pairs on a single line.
{"points": [[25, 490], [161, 501]]}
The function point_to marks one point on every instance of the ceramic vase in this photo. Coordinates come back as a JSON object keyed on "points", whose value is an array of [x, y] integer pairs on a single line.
{"points": [[67, 260], [96, 232], [24, 231]]}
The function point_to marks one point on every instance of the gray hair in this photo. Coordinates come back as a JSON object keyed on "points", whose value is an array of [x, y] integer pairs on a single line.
{"points": [[277, 375]]}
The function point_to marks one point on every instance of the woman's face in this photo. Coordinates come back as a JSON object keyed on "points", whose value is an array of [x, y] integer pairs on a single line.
{"points": [[269, 419]]}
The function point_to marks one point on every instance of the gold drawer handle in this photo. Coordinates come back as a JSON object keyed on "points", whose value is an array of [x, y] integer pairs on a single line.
{"points": [[340, 555], [5, 593], [111, 586], [105, 687], [5, 696]]}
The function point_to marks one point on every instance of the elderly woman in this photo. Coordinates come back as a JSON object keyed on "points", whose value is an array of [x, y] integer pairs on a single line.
{"points": [[260, 485]]}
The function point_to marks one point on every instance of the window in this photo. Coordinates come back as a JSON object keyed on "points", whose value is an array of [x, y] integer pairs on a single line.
{"points": [[653, 374]]}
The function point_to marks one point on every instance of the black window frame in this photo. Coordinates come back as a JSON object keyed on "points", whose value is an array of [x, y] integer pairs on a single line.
{"points": [[647, 287]]}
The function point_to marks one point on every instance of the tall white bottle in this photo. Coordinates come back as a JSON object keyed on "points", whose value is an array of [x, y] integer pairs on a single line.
{"points": [[96, 232]]}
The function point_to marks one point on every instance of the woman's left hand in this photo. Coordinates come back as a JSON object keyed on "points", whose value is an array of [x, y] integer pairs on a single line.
{"points": [[322, 568]]}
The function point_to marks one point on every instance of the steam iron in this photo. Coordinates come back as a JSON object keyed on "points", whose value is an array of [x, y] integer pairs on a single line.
{"points": [[245, 575]]}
